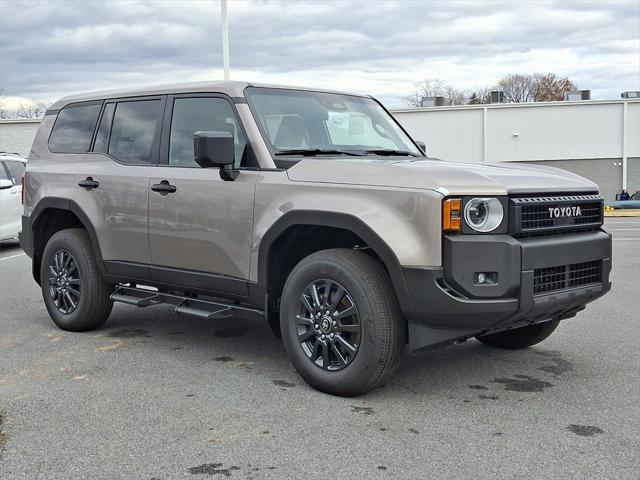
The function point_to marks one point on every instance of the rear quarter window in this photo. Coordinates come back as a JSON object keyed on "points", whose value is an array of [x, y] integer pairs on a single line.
{"points": [[74, 128]]}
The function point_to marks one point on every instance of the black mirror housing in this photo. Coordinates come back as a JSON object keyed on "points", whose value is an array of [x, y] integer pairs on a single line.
{"points": [[213, 149], [422, 146]]}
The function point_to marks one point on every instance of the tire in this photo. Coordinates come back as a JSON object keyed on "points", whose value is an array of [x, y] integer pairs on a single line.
{"points": [[522, 337], [92, 304], [376, 329]]}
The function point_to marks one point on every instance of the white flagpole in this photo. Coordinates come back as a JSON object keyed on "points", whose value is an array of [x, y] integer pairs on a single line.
{"points": [[225, 39]]}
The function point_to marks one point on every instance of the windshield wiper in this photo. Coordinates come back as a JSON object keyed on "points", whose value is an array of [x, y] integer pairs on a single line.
{"points": [[389, 152], [310, 152]]}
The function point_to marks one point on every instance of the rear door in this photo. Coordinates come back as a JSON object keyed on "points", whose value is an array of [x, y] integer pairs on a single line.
{"points": [[200, 234], [123, 155]]}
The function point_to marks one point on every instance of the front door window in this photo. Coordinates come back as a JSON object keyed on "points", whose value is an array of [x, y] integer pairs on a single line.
{"points": [[191, 115]]}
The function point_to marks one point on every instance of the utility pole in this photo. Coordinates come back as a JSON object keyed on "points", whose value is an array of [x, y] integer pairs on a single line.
{"points": [[225, 39]]}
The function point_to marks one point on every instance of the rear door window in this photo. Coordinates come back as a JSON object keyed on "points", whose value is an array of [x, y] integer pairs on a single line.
{"points": [[74, 128], [135, 126]]}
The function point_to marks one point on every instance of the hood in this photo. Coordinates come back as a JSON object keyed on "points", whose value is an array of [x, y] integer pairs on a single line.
{"points": [[448, 178]]}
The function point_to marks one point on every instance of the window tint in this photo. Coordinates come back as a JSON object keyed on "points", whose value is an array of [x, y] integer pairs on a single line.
{"points": [[191, 115], [102, 137], [73, 129], [16, 169], [133, 131]]}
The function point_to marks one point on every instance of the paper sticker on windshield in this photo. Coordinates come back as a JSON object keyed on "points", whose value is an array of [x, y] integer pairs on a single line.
{"points": [[356, 124], [338, 120]]}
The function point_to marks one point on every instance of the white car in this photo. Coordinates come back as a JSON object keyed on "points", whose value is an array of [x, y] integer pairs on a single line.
{"points": [[12, 167]]}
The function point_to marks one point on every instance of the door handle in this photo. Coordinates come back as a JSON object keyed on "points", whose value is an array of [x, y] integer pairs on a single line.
{"points": [[163, 188], [89, 183]]}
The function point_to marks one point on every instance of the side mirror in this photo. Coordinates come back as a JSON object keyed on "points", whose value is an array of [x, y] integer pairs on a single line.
{"points": [[423, 146], [4, 184], [215, 149]]}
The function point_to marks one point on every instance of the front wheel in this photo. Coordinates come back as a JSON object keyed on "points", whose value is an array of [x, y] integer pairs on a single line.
{"points": [[522, 337], [340, 321]]}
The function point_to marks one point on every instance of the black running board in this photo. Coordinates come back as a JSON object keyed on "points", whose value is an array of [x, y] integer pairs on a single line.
{"points": [[196, 307]]}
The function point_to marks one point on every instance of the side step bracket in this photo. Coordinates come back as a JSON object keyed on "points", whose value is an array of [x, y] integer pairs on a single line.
{"points": [[197, 307]]}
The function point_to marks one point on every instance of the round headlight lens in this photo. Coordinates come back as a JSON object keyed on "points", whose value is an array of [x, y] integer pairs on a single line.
{"points": [[483, 214]]}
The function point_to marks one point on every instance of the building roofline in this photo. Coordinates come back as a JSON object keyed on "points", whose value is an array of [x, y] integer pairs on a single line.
{"points": [[516, 105]]}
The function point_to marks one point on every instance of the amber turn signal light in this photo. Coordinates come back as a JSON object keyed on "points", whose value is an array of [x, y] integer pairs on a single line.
{"points": [[451, 210]]}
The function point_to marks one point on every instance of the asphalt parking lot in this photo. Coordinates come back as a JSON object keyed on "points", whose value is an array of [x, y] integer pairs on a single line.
{"points": [[157, 396]]}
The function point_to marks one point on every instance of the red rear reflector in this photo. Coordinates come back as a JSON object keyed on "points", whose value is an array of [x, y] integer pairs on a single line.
{"points": [[22, 190]]}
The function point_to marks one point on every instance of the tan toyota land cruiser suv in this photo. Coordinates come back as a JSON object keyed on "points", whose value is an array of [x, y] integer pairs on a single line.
{"points": [[312, 209]]}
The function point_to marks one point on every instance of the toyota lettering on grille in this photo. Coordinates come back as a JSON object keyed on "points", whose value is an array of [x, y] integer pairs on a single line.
{"points": [[559, 212]]}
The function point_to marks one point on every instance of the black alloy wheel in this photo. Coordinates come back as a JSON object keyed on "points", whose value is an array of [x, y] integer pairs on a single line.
{"points": [[64, 282], [341, 324], [328, 325]]}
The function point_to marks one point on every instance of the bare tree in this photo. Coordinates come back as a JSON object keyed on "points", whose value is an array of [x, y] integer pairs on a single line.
{"points": [[517, 88], [32, 110], [479, 95], [430, 87], [436, 87], [4, 113], [454, 96], [549, 87]]}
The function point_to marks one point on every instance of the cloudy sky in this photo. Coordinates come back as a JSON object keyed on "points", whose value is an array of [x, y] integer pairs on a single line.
{"points": [[49, 49]]}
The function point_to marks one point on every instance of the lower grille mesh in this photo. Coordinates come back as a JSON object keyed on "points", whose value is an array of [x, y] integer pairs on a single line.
{"points": [[551, 279]]}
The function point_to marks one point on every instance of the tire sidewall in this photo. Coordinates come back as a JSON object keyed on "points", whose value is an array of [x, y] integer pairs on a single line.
{"points": [[355, 375], [66, 241]]}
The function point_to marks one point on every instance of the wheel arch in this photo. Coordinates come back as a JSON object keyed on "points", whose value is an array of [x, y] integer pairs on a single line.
{"points": [[52, 214], [333, 220]]}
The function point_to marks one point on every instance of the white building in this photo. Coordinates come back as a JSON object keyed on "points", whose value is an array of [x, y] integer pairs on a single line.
{"points": [[599, 140], [16, 136]]}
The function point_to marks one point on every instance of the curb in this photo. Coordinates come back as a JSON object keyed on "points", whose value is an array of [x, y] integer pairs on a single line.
{"points": [[622, 213]]}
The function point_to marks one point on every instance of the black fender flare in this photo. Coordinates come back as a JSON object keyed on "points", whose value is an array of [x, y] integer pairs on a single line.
{"points": [[71, 206], [337, 220]]}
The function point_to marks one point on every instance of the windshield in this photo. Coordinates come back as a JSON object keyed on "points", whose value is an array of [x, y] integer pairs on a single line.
{"points": [[298, 122]]}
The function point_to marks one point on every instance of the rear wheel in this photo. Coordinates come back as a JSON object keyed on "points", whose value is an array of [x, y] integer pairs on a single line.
{"points": [[522, 337], [74, 292], [340, 322]]}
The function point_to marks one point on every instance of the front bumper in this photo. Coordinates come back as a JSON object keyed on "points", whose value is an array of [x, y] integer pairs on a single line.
{"points": [[446, 304]]}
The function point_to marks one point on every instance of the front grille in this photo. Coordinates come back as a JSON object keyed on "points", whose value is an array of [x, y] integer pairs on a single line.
{"points": [[551, 279], [531, 216]]}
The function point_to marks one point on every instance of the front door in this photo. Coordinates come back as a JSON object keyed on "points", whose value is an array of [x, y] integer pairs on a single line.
{"points": [[200, 226]]}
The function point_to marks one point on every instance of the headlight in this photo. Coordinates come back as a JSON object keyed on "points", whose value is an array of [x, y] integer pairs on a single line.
{"points": [[483, 214]]}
